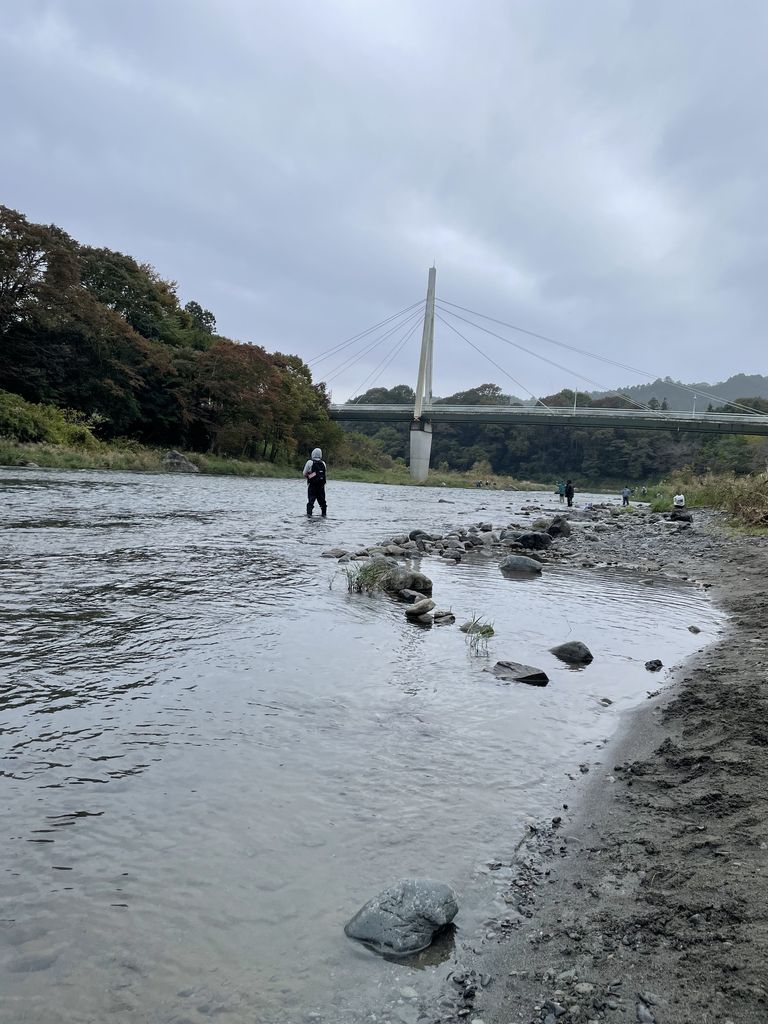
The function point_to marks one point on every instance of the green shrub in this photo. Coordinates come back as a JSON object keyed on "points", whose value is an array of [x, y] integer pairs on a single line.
{"points": [[25, 421]]}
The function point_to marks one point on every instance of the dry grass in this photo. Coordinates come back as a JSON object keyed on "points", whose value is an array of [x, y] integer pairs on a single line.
{"points": [[744, 498]]}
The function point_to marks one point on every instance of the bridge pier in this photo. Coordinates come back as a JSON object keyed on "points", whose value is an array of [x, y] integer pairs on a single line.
{"points": [[421, 429], [421, 449]]}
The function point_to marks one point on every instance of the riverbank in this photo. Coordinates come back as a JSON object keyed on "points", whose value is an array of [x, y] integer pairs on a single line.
{"points": [[649, 903], [132, 457]]}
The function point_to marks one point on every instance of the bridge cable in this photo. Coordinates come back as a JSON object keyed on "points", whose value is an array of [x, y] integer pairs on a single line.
{"points": [[352, 360], [544, 359], [379, 370], [357, 337], [604, 359], [518, 383]]}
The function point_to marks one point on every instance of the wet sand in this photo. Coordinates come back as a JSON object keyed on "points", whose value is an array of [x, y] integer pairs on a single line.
{"points": [[645, 899]]}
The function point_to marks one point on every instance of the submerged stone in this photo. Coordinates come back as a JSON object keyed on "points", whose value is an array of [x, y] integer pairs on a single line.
{"points": [[520, 564], [574, 652], [405, 917], [515, 672]]}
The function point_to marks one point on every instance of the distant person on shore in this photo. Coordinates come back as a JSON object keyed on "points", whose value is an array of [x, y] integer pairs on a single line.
{"points": [[315, 473], [560, 490], [625, 495], [569, 492], [679, 501]]}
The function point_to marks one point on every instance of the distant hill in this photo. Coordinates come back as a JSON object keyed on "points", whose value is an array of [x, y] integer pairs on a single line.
{"points": [[741, 385]]}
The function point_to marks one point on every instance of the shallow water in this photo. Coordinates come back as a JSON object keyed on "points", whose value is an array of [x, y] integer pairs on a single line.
{"points": [[212, 754]]}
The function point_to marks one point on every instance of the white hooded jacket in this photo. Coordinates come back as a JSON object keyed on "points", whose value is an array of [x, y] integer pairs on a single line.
{"points": [[317, 455]]}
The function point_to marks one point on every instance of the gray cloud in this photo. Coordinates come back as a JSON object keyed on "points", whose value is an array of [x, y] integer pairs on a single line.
{"points": [[592, 172]]}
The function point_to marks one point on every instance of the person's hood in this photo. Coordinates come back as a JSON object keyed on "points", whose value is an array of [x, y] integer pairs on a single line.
{"points": [[317, 453]]}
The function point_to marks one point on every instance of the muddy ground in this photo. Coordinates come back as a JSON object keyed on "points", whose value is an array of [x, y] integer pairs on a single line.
{"points": [[649, 904]]}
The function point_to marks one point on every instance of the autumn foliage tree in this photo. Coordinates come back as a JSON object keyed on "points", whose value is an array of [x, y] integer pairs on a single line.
{"points": [[95, 331]]}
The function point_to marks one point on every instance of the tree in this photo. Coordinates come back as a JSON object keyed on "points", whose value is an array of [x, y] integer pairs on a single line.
{"points": [[38, 270], [203, 319]]}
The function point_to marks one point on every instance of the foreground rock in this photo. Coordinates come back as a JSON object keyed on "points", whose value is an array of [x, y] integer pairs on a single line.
{"points": [[520, 564], [574, 652], [405, 917], [175, 462], [515, 672]]}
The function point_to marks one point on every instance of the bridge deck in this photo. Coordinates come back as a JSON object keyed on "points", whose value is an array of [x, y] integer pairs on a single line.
{"points": [[638, 419]]}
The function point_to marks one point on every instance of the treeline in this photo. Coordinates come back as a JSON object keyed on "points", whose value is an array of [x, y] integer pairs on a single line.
{"points": [[543, 453], [95, 332]]}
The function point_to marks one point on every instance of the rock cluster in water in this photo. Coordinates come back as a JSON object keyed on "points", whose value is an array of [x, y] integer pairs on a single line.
{"points": [[406, 917]]}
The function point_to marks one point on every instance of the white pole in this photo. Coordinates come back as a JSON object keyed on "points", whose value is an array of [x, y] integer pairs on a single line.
{"points": [[424, 382]]}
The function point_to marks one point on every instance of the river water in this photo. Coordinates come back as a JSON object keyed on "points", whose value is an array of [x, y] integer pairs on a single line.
{"points": [[212, 754]]}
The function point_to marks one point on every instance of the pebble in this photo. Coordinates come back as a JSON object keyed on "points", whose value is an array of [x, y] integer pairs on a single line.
{"points": [[409, 992], [584, 988]]}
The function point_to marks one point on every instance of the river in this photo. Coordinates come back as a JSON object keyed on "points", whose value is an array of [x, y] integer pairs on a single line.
{"points": [[212, 754]]}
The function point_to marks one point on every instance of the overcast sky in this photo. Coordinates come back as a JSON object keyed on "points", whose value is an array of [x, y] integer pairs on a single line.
{"points": [[593, 171]]}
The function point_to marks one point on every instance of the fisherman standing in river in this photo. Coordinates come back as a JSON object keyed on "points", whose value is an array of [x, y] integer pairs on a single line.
{"points": [[314, 473], [569, 492]]}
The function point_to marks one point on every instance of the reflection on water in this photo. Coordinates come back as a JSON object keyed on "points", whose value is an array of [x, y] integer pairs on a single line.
{"points": [[211, 756]]}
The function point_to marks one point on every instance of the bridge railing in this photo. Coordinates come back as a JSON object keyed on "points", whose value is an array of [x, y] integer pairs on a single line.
{"points": [[489, 412]]}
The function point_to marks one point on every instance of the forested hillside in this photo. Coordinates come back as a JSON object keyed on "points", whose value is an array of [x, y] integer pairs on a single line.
{"points": [[680, 395], [542, 453], [92, 330]]}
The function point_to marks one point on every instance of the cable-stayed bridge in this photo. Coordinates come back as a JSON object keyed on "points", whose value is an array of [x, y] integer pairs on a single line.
{"points": [[398, 330]]}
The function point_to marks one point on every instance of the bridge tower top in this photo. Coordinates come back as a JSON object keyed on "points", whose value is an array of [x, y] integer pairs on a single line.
{"points": [[424, 382]]}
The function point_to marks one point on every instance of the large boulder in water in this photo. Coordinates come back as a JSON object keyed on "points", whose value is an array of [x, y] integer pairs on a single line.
{"points": [[405, 917], [574, 652], [407, 579], [520, 564]]}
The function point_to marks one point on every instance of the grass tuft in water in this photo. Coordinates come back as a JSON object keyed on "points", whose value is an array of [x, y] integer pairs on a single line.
{"points": [[367, 577], [479, 631]]}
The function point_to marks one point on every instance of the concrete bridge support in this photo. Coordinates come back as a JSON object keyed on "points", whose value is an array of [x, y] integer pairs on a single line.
{"points": [[421, 429], [421, 448]]}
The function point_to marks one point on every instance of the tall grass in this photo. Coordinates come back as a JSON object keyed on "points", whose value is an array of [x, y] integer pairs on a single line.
{"points": [[367, 577], [744, 498]]}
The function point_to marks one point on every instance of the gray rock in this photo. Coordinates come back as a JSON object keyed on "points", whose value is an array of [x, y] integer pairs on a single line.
{"points": [[420, 535], [520, 564], [654, 665], [405, 917], [333, 553], [679, 515], [574, 652], [175, 462], [515, 672], [408, 579], [559, 527], [535, 540], [410, 596], [426, 604], [444, 618]]}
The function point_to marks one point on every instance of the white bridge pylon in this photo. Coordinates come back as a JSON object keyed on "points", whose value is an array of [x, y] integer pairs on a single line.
{"points": [[421, 427]]}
